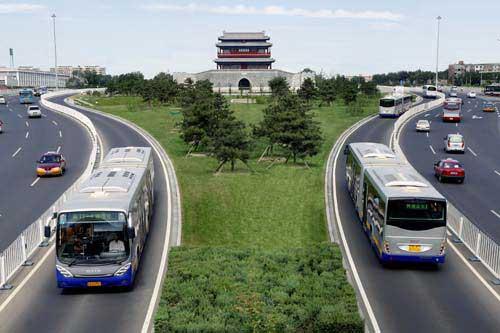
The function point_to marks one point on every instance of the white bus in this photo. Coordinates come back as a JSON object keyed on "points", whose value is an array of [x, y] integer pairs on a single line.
{"points": [[429, 91], [394, 105], [102, 228], [401, 213]]}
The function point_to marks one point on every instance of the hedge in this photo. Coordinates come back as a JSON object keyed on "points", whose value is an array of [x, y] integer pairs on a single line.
{"points": [[211, 289]]}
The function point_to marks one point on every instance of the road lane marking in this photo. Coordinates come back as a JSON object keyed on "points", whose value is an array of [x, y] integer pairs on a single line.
{"points": [[472, 151], [456, 124], [432, 149], [60, 134], [427, 115], [427, 134], [35, 181], [58, 149], [495, 213], [27, 124], [53, 122], [27, 134], [19, 115], [436, 115], [17, 151], [498, 173]]}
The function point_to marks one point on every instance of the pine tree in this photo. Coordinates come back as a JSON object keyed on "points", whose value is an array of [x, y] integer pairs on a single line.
{"points": [[279, 86], [308, 90]]}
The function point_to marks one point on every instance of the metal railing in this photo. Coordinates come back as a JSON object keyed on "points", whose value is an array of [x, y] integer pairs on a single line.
{"points": [[24, 246], [483, 247]]}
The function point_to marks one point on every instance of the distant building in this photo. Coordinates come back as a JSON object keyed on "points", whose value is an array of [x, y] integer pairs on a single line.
{"points": [[244, 63], [460, 68], [366, 77], [29, 77], [69, 70]]}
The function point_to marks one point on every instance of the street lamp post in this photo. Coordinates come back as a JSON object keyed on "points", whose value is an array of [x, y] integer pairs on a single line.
{"points": [[55, 50], [437, 50]]}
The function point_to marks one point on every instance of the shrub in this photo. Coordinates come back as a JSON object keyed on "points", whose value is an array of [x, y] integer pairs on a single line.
{"points": [[211, 289]]}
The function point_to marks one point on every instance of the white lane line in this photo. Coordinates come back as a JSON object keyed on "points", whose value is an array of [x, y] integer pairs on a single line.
{"points": [[469, 110], [17, 151], [44, 115], [60, 134], [495, 213], [27, 124], [432, 149], [436, 115], [427, 115], [58, 149], [53, 122], [27, 134], [35, 181], [427, 134], [19, 115], [456, 124], [472, 151], [498, 173]]}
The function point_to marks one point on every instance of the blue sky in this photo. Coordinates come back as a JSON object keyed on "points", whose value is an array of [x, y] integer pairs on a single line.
{"points": [[347, 37]]}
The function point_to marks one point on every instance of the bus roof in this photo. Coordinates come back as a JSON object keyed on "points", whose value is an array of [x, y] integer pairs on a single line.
{"points": [[127, 156], [396, 96], [118, 186], [370, 153], [401, 182]]}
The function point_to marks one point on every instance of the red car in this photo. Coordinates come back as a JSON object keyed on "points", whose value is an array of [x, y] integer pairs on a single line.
{"points": [[449, 169], [51, 164]]}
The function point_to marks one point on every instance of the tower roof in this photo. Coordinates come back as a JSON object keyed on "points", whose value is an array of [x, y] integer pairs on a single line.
{"points": [[235, 36]]}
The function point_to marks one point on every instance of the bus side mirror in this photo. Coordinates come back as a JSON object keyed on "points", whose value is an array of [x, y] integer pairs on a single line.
{"points": [[47, 231], [54, 215], [346, 150], [131, 233]]}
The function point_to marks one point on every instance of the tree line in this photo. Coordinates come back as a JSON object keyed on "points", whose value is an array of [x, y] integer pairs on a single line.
{"points": [[413, 78]]}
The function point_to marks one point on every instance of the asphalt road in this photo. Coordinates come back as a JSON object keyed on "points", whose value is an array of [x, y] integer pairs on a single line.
{"points": [[478, 197], [41, 307], [22, 142], [412, 298]]}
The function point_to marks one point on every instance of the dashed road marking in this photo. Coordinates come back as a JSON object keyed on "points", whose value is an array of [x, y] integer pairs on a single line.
{"points": [[60, 134], [19, 115], [58, 149], [27, 124], [27, 134], [472, 151], [35, 181], [53, 122], [495, 213], [456, 124], [427, 134], [432, 149], [498, 173], [427, 115], [17, 151], [436, 115]]}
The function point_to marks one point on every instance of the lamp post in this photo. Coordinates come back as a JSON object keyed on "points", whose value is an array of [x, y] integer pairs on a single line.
{"points": [[437, 50], [55, 51]]}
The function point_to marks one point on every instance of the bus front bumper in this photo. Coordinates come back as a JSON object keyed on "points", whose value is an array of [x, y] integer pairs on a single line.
{"points": [[126, 280], [386, 258]]}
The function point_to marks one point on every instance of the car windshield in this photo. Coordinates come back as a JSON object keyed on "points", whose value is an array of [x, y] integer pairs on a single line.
{"points": [[455, 139], [387, 102], [50, 159], [416, 214], [431, 88], [92, 238], [450, 165], [423, 122]]}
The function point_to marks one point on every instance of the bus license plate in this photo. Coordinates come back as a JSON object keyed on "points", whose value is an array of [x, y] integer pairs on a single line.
{"points": [[94, 284], [414, 248]]}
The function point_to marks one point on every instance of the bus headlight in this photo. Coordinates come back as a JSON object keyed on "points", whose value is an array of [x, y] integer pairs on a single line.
{"points": [[64, 272], [122, 270], [441, 250], [386, 247]]}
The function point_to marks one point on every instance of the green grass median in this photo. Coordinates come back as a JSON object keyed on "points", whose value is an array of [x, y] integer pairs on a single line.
{"points": [[233, 222]]}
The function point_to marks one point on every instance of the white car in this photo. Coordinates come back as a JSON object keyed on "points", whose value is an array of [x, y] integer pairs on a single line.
{"points": [[454, 143], [3, 100], [471, 94], [453, 93], [34, 111], [1, 127], [423, 126]]}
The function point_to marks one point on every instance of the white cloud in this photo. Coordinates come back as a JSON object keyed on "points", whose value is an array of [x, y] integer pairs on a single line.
{"points": [[10, 8], [276, 11]]}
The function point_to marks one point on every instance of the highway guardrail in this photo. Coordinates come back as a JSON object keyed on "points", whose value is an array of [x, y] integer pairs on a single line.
{"points": [[484, 248], [17, 254]]}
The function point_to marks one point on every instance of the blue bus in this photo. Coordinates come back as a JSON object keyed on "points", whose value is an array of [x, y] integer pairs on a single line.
{"points": [[26, 96]]}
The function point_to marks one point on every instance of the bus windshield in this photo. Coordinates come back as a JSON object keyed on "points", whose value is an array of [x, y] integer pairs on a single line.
{"points": [[387, 102], [451, 106], [416, 214], [25, 93], [88, 238]]}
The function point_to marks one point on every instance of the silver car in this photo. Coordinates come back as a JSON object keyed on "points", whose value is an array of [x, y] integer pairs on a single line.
{"points": [[423, 126], [34, 111], [3, 100], [454, 143]]}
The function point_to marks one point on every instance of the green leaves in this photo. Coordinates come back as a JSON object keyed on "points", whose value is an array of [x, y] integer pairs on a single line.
{"points": [[225, 290]]}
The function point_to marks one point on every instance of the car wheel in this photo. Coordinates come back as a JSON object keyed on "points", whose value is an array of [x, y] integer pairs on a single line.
{"points": [[460, 181]]}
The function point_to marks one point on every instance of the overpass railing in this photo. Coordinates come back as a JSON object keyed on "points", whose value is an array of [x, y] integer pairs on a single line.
{"points": [[17, 254]]}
